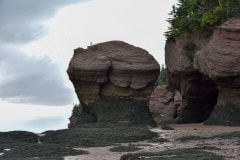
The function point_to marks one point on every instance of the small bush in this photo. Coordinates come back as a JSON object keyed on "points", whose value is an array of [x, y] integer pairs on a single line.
{"points": [[77, 109], [189, 49]]}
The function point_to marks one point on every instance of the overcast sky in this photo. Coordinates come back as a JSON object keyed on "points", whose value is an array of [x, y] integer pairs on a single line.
{"points": [[37, 41]]}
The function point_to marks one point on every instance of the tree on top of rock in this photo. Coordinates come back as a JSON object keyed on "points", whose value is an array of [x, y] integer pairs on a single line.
{"points": [[190, 16]]}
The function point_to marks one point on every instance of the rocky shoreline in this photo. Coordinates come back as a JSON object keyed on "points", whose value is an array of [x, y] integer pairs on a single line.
{"points": [[110, 142], [121, 116]]}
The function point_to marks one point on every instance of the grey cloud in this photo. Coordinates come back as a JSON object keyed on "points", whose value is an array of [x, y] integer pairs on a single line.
{"points": [[21, 19], [44, 122], [26, 79], [31, 80]]}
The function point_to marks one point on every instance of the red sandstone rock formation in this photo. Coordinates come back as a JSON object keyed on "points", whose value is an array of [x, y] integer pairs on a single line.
{"points": [[112, 71], [198, 91], [220, 60], [163, 104]]}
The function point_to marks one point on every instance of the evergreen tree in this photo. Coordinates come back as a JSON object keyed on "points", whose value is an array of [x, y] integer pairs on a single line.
{"points": [[190, 16], [76, 110], [162, 79]]}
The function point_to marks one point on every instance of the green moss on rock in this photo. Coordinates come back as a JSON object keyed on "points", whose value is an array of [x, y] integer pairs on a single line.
{"points": [[90, 135], [177, 154], [121, 92], [227, 114], [130, 148], [111, 110]]}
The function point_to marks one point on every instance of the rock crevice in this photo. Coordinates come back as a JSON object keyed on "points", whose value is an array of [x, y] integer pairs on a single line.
{"points": [[199, 93]]}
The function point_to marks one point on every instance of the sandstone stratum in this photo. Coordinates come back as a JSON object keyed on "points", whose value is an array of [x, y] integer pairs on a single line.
{"points": [[209, 77], [220, 61], [113, 81]]}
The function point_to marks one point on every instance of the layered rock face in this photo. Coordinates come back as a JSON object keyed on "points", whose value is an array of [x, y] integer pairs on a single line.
{"points": [[198, 91], [113, 81], [209, 81], [220, 60], [163, 105]]}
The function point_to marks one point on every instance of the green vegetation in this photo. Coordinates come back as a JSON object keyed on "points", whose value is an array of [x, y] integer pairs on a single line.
{"points": [[24, 146], [25, 151], [162, 78], [177, 154], [77, 109], [229, 115], [230, 135], [121, 92], [91, 135], [190, 16], [191, 138], [114, 110], [207, 148], [189, 49], [130, 148], [158, 140], [92, 46]]}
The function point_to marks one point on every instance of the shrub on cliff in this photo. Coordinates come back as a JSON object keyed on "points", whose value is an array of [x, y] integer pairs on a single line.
{"points": [[190, 16], [76, 110], [189, 49]]}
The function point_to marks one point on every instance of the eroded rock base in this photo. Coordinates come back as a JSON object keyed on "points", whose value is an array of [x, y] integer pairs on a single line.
{"points": [[119, 111]]}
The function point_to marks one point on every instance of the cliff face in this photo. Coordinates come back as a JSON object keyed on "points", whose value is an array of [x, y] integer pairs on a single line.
{"points": [[220, 60], [113, 81], [198, 91], [211, 80]]}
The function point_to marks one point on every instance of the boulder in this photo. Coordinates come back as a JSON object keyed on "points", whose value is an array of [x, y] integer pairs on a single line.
{"points": [[163, 104], [73, 121], [220, 61], [113, 81], [198, 92]]}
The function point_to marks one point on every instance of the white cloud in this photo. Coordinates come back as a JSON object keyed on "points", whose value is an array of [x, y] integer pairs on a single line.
{"points": [[139, 22], [21, 117], [32, 80]]}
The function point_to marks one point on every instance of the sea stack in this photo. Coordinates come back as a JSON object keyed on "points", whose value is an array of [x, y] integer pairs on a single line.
{"points": [[113, 81]]}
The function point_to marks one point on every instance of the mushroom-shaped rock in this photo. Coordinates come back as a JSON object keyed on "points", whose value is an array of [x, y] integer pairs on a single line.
{"points": [[220, 61], [113, 77]]}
